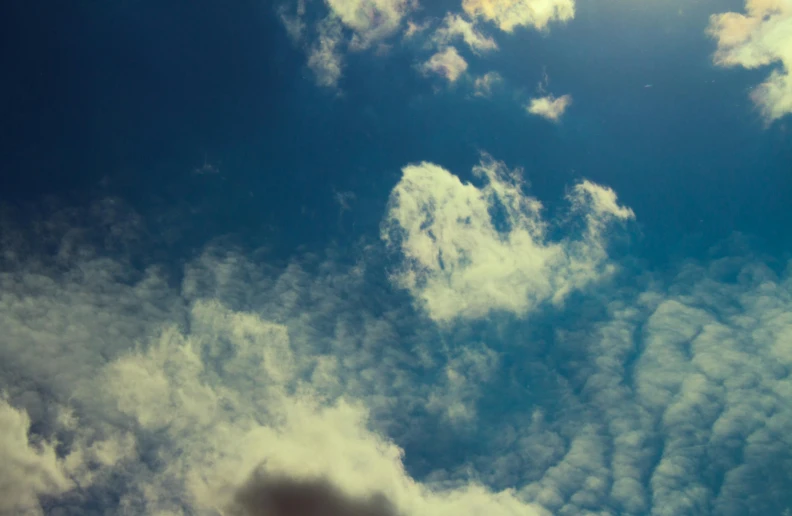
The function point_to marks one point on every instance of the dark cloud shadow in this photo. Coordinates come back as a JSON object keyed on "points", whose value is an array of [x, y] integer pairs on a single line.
{"points": [[267, 495]]}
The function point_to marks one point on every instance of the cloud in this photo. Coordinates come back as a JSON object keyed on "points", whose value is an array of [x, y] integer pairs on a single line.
{"points": [[549, 107], [166, 397], [446, 63], [455, 26], [483, 85], [27, 471], [370, 20], [325, 58], [510, 14], [415, 28], [760, 37], [458, 262], [237, 381]]}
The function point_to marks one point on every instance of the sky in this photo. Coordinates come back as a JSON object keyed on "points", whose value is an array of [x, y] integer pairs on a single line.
{"points": [[396, 258]]}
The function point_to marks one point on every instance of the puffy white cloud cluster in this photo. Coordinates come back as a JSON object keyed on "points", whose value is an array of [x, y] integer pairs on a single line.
{"points": [[458, 262], [188, 395], [245, 388], [760, 37]]}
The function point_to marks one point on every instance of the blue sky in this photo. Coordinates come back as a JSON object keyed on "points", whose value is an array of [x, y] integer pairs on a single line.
{"points": [[503, 257]]}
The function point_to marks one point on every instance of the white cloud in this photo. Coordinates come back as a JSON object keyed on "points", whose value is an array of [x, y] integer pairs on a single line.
{"points": [[455, 26], [457, 263], [325, 58], [510, 14], [180, 398], [760, 37], [483, 85], [446, 63], [26, 470], [370, 20], [549, 107], [665, 397]]}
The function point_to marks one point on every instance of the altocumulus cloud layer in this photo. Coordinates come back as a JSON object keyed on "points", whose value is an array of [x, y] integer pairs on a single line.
{"points": [[241, 388]]}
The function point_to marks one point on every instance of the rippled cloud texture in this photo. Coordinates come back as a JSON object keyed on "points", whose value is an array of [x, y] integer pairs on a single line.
{"points": [[238, 387]]}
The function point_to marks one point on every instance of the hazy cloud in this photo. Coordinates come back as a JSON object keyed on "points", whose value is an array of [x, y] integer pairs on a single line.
{"points": [[482, 86], [760, 37]]}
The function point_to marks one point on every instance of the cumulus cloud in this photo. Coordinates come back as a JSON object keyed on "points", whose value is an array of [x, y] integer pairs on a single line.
{"points": [[760, 37], [455, 26], [244, 387], [549, 107], [446, 63], [27, 470], [510, 14], [325, 58], [462, 259], [187, 396], [370, 20], [482, 86]]}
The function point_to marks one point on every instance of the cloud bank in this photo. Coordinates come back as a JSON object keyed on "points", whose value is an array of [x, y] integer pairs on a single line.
{"points": [[760, 37], [244, 387]]}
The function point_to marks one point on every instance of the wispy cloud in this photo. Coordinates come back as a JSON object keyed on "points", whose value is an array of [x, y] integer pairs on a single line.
{"points": [[325, 58], [455, 26], [482, 86], [458, 262], [510, 14], [760, 37]]}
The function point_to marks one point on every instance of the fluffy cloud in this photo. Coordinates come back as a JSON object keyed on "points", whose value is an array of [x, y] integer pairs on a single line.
{"points": [[760, 37], [455, 26], [370, 20], [510, 14], [447, 63], [461, 261], [187, 396], [549, 107], [27, 471], [482, 86]]}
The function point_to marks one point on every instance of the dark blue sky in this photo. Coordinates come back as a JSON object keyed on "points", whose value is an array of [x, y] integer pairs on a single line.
{"points": [[127, 99]]}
